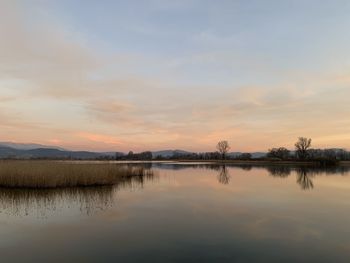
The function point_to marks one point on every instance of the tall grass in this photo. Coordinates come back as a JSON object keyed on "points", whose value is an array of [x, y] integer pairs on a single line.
{"points": [[29, 201], [54, 174], [28, 187]]}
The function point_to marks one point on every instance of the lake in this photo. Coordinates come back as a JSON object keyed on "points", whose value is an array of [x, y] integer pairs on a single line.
{"points": [[185, 212]]}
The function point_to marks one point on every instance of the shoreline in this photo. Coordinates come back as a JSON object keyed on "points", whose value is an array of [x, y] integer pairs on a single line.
{"points": [[262, 162], [233, 162]]}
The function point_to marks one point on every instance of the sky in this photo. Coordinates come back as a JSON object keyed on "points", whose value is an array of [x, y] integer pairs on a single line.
{"points": [[161, 74]]}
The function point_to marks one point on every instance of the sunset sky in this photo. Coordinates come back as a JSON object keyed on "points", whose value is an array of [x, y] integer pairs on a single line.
{"points": [[163, 74]]}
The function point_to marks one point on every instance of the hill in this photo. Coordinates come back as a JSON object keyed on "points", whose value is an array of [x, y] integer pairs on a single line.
{"points": [[50, 153], [29, 146]]}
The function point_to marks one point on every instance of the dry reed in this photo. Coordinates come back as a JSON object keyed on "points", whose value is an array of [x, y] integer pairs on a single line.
{"points": [[54, 174]]}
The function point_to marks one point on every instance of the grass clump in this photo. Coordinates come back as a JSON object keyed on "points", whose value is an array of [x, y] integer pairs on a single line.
{"points": [[60, 174]]}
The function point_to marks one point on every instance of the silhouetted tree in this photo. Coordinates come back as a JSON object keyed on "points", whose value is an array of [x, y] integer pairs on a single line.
{"points": [[145, 155], [281, 153], [315, 154], [301, 146], [223, 147], [327, 157], [330, 154]]}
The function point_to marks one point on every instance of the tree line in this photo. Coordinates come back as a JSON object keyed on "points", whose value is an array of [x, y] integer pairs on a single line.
{"points": [[302, 152]]}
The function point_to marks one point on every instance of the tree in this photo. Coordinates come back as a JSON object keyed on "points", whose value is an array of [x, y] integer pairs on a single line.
{"points": [[223, 147], [145, 155], [281, 153], [130, 155], [301, 146]]}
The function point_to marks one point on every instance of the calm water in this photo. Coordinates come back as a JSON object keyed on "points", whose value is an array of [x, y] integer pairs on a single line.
{"points": [[187, 213]]}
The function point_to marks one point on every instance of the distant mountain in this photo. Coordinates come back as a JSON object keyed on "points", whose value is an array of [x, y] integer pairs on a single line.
{"points": [[29, 146], [30, 150], [258, 154], [8, 152]]}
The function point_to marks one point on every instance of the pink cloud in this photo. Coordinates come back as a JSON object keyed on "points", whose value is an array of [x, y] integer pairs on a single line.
{"points": [[100, 138]]}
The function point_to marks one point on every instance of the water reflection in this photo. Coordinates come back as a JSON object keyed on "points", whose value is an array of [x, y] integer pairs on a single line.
{"points": [[304, 179], [189, 216], [223, 176], [40, 202], [86, 200], [90, 199], [279, 171], [304, 174], [284, 171]]}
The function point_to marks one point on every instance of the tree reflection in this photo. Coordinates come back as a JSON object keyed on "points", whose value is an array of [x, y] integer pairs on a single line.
{"points": [[279, 171], [304, 178], [303, 174], [223, 176]]}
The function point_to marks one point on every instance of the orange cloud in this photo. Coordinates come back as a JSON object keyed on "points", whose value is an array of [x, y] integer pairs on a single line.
{"points": [[42, 62], [100, 138]]}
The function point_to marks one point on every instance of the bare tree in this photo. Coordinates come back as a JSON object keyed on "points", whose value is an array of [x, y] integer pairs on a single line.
{"points": [[301, 146], [281, 153], [223, 147]]}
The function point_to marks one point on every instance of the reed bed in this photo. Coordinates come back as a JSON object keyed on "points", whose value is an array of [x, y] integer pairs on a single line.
{"points": [[58, 174], [41, 202]]}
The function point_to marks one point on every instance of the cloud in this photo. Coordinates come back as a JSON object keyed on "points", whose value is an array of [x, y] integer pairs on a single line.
{"points": [[105, 139], [109, 106], [43, 54], [13, 120], [129, 100], [4, 99]]}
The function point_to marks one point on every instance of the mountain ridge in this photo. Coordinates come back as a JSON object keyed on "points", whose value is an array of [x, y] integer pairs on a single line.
{"points": [[32, 150], [42, 153], [29, 146]]}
